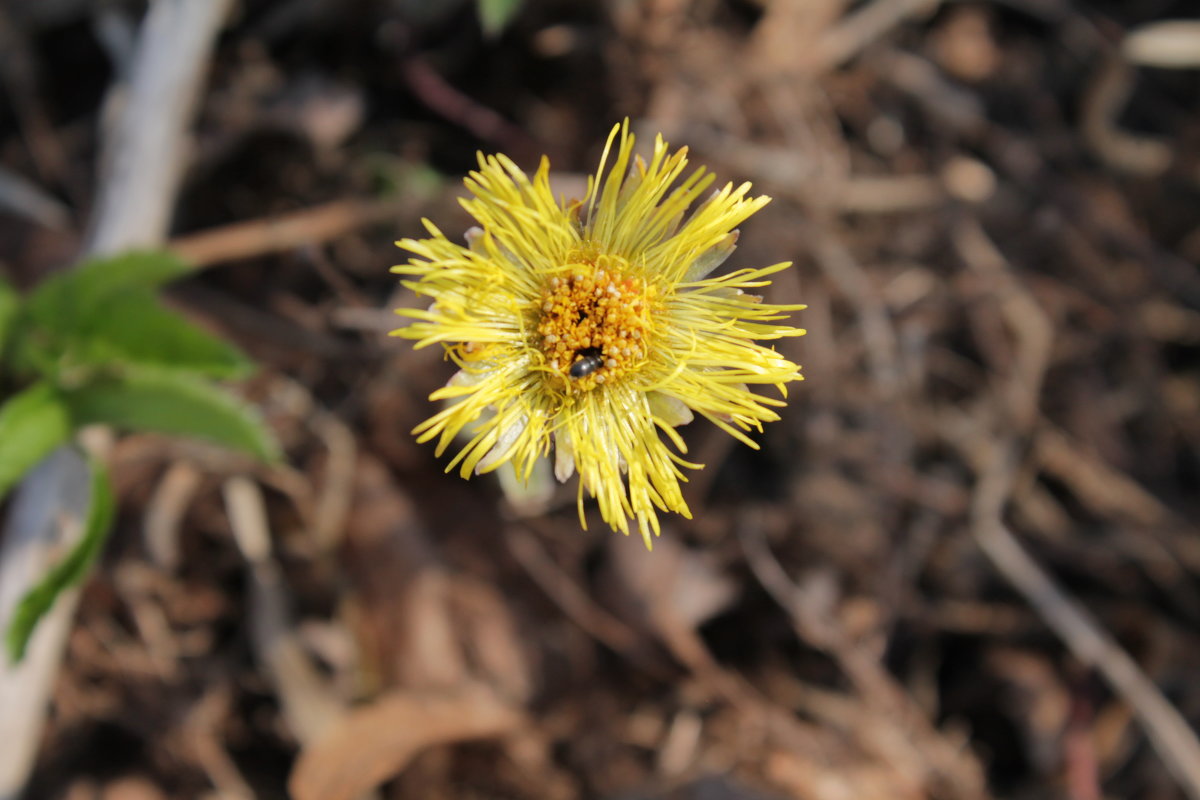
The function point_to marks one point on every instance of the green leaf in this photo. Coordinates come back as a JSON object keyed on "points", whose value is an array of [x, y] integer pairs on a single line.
{"points": [[134, 328], [103, 313], [172, 402], [32, 423], [68, 572], [63, 297], [10, 304], [494, 15]]}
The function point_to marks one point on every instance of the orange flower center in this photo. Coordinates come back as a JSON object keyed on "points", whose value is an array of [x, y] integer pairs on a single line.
{"points": [[595, 322]]}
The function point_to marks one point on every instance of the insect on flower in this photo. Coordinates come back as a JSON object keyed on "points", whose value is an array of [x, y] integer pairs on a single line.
{"points": [[590, 360], [593, 328]]}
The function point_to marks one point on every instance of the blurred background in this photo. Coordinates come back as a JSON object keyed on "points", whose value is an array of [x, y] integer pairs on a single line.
{"points": [[963, 565]]}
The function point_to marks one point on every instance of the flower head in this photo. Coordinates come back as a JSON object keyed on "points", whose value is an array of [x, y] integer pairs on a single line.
{"points": [[596, 326]]}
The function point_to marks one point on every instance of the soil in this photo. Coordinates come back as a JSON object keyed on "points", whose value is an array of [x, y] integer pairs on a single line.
{"points": [[999, 257]]}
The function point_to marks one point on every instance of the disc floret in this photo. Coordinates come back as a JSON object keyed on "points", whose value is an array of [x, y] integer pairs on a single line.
{"points": [[595, 323]]}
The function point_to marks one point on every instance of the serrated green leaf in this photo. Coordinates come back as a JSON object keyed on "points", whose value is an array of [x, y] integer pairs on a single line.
{"points": [[135, 329], [32, 423], [171, 402], [63, 315], [495, 15], [38, 601]]}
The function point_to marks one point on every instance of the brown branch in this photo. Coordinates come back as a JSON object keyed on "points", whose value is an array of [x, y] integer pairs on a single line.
{"points": [[284, 232], [1175, 742]]}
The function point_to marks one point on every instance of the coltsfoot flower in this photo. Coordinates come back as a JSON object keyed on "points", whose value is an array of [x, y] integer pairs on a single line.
{"points": [[596, 326]]}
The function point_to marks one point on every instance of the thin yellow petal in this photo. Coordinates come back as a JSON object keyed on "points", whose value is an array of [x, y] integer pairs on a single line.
{"points": [[595, 327]]}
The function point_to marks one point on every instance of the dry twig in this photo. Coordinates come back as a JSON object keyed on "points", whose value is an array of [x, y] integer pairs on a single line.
{"points": [[994, 458], [310, 706], [1175, 742], [911, 742], [856, 32], [284, 232], [573, 601]]}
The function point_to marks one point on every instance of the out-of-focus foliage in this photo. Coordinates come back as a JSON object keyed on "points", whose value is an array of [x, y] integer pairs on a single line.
{"points": [[103, 316], [68, 572], [171, 402], [95, 345], [495, 15], [32, 423]]}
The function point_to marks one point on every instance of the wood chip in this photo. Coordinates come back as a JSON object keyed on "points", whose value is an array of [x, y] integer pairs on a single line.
{"points": [[376, 742]]}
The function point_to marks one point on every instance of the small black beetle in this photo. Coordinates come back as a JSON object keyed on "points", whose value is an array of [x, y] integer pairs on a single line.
{"points": [[591, 359]]}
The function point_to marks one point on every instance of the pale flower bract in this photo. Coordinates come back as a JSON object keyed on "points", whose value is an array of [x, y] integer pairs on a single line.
{"points": [[594, 327]]}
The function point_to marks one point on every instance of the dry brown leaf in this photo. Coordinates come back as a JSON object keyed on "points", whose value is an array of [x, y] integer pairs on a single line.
{"points": [[819, 779], [376, 742], [131, 787], [678, 583], [491, 638]]}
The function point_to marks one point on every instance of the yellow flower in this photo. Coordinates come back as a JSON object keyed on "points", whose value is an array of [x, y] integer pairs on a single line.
{"points": [[594, 325]]}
